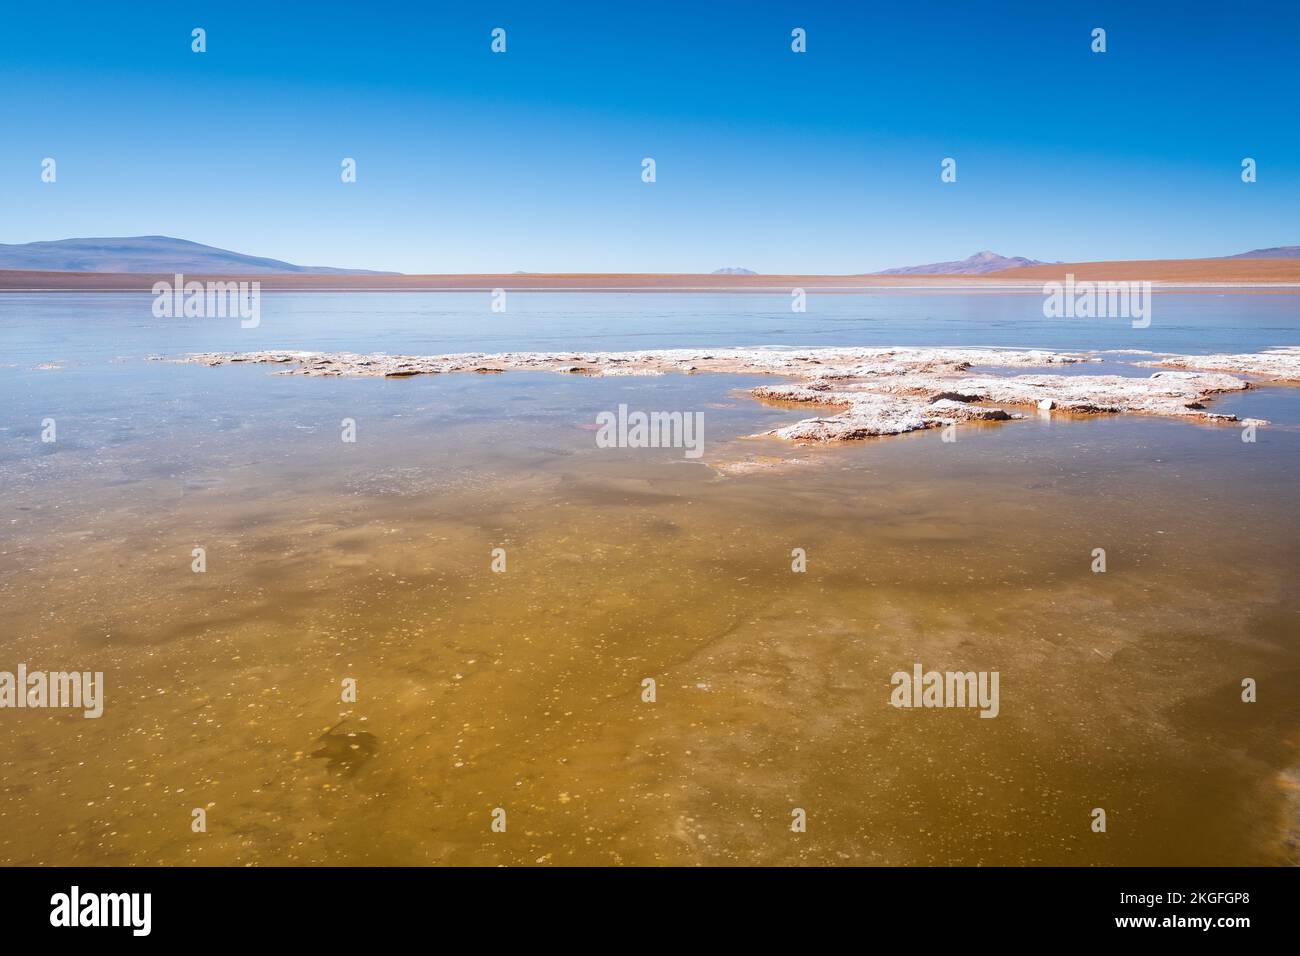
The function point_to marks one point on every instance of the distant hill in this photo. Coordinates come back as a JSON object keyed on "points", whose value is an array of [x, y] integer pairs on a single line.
{"points": [[152, 254], [983, 263], [1276, 252], [977, 264], [734, 271]]}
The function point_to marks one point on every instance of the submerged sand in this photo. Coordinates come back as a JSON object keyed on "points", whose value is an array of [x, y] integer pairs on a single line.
{"points": [[522, 690]]}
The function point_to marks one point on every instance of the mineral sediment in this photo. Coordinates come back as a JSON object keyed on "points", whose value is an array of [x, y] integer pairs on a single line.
{"points": [[1275, 365], [866, 391]]}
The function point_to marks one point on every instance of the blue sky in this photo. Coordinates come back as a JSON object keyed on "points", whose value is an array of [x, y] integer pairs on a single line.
{"points": [[822, 162]]}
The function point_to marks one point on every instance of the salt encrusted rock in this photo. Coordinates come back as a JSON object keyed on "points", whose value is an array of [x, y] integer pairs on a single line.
{"points": [[876, 391], [1278, 365], [832, 363], [869, 416], [946, 410], [1163, 393], [816, 393]]}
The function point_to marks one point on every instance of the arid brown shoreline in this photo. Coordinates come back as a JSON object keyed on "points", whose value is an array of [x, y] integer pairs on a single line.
{"points": [[1181, 275]]}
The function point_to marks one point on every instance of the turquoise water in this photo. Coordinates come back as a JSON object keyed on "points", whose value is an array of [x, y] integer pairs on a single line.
{"points": [[93, 327]]}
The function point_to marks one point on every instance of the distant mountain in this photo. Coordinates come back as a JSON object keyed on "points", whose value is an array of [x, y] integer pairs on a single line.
{"points": [[977, 264], [155, 254], [734, 271], [1276, 252]]}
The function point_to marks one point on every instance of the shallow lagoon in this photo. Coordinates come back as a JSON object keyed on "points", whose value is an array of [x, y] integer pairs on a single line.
{"points": [[523, 690]]}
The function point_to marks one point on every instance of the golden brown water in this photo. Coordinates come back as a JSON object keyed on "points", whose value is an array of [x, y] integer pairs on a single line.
{"points": [[522, 690]]}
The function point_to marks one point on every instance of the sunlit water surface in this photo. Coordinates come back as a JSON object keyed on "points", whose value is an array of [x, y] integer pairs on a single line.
{"points": [[523, 690]]}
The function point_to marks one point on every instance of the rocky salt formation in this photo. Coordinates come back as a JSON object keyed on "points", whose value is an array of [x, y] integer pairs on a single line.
{"points": [[866, 391], [1274, 365], [909, 402], [826, 362]]}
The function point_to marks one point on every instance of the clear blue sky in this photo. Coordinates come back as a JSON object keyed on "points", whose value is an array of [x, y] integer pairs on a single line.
{"points": [[821, 162]]}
